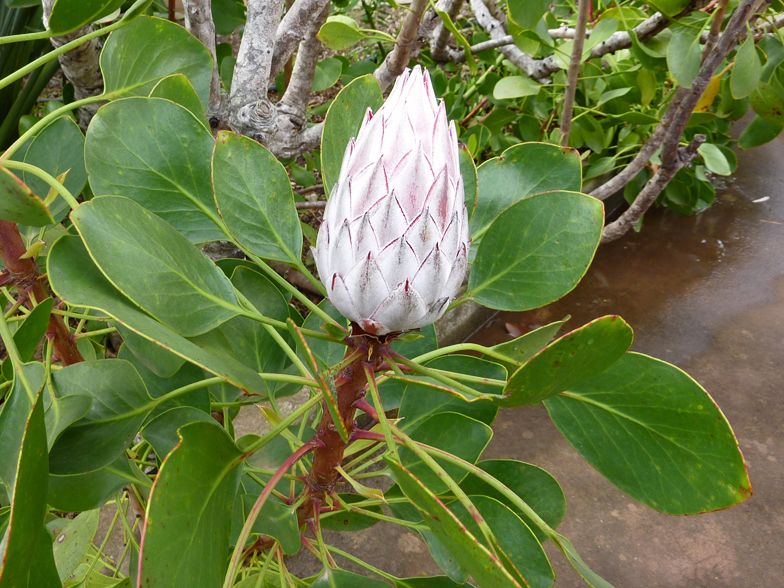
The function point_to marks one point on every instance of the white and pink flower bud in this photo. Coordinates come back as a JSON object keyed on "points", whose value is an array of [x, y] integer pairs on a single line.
{"points": [[392, 250]]}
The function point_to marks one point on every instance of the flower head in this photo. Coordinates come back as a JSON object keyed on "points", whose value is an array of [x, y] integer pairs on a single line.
{"points": [[392, 250]]}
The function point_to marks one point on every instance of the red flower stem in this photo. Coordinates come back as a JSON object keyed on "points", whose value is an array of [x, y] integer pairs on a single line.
{"points": [[33, 287], [238, 555]]}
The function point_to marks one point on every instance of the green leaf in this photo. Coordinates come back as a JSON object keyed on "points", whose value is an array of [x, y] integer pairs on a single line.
{"points": [[758, 132], [144, 256], [656, 434], [120, 405], [536, 251], [161, 432], [76, 279], [72, 544], [136, 56], [587, 574], [340, 32], [421, 402], [574, 358], [670, 7], [29, 335], [277, 520], [747, 70], [480, 563], [343, 120], [527, 13], [158, 154], [79, 492], [683, 56], [612, 95], [228, 15], [715, 160], [69, 15], [522, 170], [335, 578], [57, 149], [767, 99], [157, 386], [162, 363], [254, 196], [18, 204], [533, 485], [458, 434], [201, 475], [63, 412], [23, 471], [520, 350], [524, 554], [179, 90], [515, 87], [327, 74]]}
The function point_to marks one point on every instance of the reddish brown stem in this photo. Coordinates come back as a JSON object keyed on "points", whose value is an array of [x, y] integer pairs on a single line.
{"points": [[33, 287], [329, 454]]}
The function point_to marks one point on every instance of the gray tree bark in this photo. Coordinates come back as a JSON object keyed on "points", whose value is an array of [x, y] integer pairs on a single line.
{"points": [[81, 66]]}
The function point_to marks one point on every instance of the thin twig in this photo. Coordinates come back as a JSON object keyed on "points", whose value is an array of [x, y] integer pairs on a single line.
{"points": [[574, 70], [199, 22], [441, 35], [320, 205], [670, 130], [397, 60]]}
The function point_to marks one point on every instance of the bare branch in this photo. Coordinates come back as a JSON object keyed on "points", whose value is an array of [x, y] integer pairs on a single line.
{"points": [[574, 70], [198, 20], [652, 190], [540, 69], [397, 59], [294, 103], [679, 111], [441, 34], [319, 205], [496, 30], [80, 65], [713, 34], [292, 30], [250, 111]]}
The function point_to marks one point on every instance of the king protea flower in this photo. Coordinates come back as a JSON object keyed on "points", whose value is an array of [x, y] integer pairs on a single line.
{"points": [[392, 250]]}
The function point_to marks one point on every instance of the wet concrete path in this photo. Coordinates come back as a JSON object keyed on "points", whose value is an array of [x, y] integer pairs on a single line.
{"points": [[707, 294]]}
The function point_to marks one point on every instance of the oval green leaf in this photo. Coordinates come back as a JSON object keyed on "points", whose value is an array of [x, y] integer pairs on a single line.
{"points": [[76, 279], [69, 15], [120, 403], [18, 204], [574, 358], [156, 153], [656, 434], [458, 434], [253, 194], [536, 251], [144, 256], [532, 484], [136, 56], [178, 89], [522, 170], [201, 475]]}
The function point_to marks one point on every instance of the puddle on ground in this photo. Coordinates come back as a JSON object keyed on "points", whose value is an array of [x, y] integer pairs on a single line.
{"points": [[707, 294]]}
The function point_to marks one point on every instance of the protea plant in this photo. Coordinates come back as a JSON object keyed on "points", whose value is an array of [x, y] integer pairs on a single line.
{"points": [[392, 250]]}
